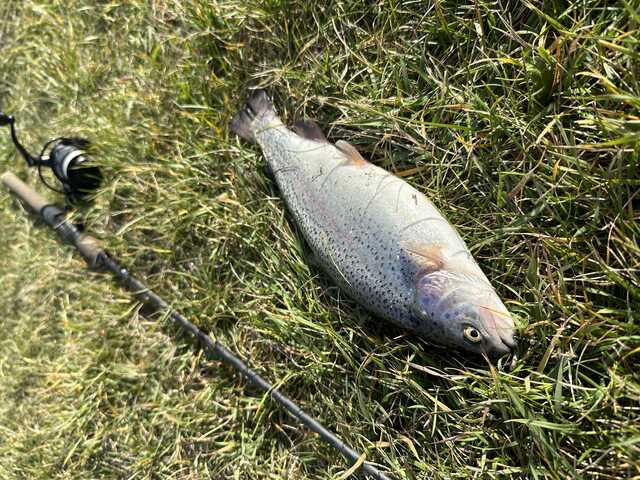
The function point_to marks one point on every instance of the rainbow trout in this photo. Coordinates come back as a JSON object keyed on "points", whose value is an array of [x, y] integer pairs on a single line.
{"points": [[378, 237]]}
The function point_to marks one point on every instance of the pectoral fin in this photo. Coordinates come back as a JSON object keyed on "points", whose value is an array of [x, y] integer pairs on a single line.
{"points": [[428, 257]]}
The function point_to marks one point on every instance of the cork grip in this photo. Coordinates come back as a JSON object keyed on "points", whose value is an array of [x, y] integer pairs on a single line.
{"points": [[25, 193], [88, 246]]}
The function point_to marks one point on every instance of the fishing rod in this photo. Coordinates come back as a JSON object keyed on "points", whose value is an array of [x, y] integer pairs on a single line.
{"points": [[97, 258]]}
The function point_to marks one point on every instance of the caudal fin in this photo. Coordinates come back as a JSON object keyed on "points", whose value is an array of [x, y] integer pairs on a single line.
{"points": [[258, 107]]}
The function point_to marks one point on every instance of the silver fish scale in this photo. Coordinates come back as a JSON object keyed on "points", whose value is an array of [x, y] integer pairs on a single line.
{"points": [[357, 219]]}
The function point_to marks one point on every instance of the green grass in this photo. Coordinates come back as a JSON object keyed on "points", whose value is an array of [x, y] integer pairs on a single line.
{"points": [[521, 120]]}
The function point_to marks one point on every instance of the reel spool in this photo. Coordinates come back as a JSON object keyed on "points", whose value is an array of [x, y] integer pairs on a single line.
{"points": [[68, 161]]}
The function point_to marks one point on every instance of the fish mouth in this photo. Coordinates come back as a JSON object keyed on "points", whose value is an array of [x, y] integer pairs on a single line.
{"points": [[508, 339], [502, 346], [501, 328]]}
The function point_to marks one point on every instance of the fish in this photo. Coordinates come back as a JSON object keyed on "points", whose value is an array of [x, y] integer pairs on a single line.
{"points": [[379, 238]]}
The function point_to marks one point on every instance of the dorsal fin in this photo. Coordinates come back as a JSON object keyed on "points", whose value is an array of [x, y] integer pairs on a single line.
{"points": [[350, 151], [310, 130]]}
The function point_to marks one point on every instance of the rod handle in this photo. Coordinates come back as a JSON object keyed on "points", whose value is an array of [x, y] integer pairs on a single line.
{"points": [[28, 195], [87, 245]]}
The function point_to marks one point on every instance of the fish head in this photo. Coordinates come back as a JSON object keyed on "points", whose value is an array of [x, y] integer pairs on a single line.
{"points": [[463, 310]]}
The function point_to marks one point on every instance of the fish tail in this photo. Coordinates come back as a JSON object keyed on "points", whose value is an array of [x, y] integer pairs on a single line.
{"points": [[257, 108]]}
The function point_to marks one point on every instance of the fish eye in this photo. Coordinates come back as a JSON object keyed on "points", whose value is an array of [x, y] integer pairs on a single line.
{"points": [[472, 334]]}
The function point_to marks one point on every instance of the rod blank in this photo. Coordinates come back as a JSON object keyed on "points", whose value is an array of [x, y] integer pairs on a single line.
{"points": [[95, 256]]}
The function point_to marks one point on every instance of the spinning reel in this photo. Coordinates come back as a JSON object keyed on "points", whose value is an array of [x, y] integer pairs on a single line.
{"points": [[67, 158]]}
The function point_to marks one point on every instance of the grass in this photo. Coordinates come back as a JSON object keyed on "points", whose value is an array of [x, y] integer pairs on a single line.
{"points": [[519, 119]]}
